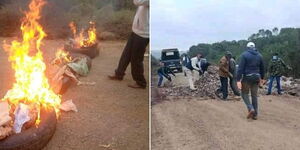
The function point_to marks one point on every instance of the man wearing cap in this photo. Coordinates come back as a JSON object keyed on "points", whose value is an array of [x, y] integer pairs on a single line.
{"points": [[224, 74], [135, 48], [250, 74]]}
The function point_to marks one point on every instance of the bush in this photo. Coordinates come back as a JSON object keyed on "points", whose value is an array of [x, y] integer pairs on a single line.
{"points": [[57, 14]]}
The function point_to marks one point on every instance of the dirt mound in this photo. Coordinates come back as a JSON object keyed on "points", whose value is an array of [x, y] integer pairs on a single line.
{"points": [[209, 82]]}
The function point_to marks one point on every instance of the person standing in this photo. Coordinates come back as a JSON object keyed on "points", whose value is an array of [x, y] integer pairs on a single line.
{"points": [[224, 74], [189, 65], [162, 72], [232, 80], [276, 70], [135, 48], [250, 74]]}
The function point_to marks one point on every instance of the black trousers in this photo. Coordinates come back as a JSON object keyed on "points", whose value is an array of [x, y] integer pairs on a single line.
{"points": [[134, 53], [224, 87]]}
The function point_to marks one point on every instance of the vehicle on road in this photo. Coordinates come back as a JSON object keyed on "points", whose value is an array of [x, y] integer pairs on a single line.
{"points": [[171, 59]]}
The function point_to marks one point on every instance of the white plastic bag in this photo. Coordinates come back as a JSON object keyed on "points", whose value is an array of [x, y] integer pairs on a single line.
{"points": [[21, 117], [68, 106]]}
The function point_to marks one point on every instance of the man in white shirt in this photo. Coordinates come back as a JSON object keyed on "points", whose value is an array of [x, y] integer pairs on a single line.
{"points": [[189, 66], [135, 48]]}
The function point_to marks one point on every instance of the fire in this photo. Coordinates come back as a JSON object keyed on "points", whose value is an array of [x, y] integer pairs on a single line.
{"points": [[82, 39], [63, 55], [31, 84]]}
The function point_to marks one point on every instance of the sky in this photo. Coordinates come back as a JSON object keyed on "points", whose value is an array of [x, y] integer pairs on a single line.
{"points": [[183, 23]]}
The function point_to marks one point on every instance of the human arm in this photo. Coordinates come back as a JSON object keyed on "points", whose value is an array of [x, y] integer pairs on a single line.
{"points": [[241, 68], [194, 63], [262, 69], [141, 2]]}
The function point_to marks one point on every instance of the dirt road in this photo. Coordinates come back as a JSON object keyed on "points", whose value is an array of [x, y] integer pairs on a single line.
{"points": [[193, 124], [110, 115]]}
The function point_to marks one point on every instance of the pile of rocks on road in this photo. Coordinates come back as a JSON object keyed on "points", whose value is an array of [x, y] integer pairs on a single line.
{"points": [[208, 83], [289, 85]]}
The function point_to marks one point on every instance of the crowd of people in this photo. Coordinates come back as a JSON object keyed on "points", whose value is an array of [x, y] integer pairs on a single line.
{"points": [[244, 78]]}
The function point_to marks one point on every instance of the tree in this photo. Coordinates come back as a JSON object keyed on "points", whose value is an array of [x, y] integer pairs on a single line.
{"points": [[261, 33], [268, 33], [286, 43], [275, 31]]}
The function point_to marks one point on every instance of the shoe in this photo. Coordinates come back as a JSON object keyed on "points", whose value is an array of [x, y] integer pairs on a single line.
{"points": [[218, 94], [279, 93], [193, 89], [250, 114], [114, 77], [224, 99], [254, 117], [136, 86], [268, 94]]}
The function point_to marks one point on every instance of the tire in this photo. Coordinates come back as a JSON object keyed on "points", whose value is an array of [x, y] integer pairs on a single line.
{"points": [[33, 138], [91, 51]]}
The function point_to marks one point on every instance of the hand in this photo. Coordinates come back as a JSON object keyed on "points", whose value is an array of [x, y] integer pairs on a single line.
{"points": [[239, 85], [261, 82]]}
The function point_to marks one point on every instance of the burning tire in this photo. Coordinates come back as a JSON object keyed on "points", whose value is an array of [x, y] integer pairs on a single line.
{"points": [[33, 138], [91, 51]]}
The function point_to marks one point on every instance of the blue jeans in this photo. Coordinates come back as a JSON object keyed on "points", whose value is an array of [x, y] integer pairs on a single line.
{"points": [[161, 77], [271, 84], [250, 84]]}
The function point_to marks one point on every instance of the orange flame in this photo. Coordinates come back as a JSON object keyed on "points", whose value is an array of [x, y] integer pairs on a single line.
{"points": [[63, 55], [73, 28], [31, 84], [81, 39]]}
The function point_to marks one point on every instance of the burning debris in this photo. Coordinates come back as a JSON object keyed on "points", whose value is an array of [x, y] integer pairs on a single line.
{"points": [[84, 39], [31, 91], [69, 68], [85, 42]]}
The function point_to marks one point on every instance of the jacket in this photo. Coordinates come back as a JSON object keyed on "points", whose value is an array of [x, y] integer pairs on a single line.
{"points": [[140, 24], [165, 71], [232, 67], [277, 67], [194, 62], [251, 62], [224, 67]]}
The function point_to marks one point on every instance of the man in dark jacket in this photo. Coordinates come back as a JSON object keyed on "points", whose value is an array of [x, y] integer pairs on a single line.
{"points": [[249, 76], [162, 72], [276, 69]]}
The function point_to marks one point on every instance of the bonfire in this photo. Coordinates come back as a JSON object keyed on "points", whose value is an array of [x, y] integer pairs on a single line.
{"points": [[31, 90], [84, 38]]}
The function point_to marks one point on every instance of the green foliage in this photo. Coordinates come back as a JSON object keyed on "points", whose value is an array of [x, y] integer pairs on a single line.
{"points": [[114, 16], [286, 43]]}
